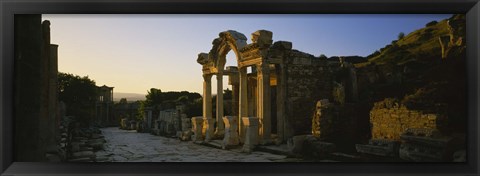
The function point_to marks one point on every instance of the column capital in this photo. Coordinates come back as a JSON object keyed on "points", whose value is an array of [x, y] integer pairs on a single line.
{"points": [[207, 77], [262, 67]]}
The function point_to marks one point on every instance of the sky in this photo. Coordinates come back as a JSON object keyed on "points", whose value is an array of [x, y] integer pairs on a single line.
{"points": [[136, 52]]}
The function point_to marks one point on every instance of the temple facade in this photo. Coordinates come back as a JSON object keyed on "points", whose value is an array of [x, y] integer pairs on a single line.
{"points": [[104, 106], [272, 83]]}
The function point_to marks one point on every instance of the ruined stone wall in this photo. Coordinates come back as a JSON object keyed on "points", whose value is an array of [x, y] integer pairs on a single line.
{"points": [[28, 84], [390, 119], [308, 79], [35, 82], [168, 122]]}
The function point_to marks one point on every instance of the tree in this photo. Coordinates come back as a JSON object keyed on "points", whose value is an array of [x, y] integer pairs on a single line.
{"points": [[401, 35], [153, 97], [123, 101], [194, 108], [322, 56], [79, 94], [431, 23]]}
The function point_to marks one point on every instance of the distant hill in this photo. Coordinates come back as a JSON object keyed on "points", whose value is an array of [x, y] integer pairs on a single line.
{"points": [[129, 96]]}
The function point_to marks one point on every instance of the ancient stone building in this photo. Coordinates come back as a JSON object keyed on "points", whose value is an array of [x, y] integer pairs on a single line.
{"points": [[104, 106], [274, 83], [36, 103]]}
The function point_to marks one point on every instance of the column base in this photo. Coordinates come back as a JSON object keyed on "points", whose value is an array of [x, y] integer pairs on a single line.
{"points": [[209, 135], [219, 134], [197, 123], [231, 134]]}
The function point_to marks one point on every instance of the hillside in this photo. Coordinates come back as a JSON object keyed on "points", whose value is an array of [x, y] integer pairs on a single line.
{"points": [[420, 71], [419, 45]]}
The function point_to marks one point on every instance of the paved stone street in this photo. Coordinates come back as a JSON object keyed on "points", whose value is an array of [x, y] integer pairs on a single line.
{"points": [[130, 146]]}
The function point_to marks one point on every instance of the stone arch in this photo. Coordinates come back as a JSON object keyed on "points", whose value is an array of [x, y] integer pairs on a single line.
{"points": [[227, 41]]}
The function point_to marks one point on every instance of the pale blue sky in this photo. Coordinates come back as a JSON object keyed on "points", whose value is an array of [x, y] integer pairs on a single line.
{"points": [[134, 53]]}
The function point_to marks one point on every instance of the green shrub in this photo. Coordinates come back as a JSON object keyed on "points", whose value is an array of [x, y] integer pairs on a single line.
{"points": [[431, 23], [400, 35]]}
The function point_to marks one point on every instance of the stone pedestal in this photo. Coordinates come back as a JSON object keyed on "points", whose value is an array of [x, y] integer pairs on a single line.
{"points": [[251, 133], [231, 135], [133, 125], [197, 123], [209, 128], [186, 123], [123, 123]]}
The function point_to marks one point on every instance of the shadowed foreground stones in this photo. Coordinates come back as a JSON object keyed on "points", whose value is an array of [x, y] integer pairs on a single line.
{"points": [[84, 142], [419, 145], [380, 147], [310, 146], [428, 145]]}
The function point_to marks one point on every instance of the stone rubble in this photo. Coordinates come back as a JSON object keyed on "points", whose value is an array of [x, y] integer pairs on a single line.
{"points": [[83, 144]]}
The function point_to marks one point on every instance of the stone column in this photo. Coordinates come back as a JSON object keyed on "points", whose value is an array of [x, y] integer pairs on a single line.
{"points": [[242, 107], [264, 102], [197, 123], [220, 126], [235, 99], [231, 135], [209, 128], [233, 79], [280, 103], [207, 96], [251, 135]]}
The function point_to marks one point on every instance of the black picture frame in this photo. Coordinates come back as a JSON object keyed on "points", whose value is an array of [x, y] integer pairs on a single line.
{"points": [[8, 8]]}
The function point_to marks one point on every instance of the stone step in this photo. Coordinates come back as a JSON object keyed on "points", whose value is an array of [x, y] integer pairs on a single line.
{"points": [[82, 154], [433, 142], [281, 149]]}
